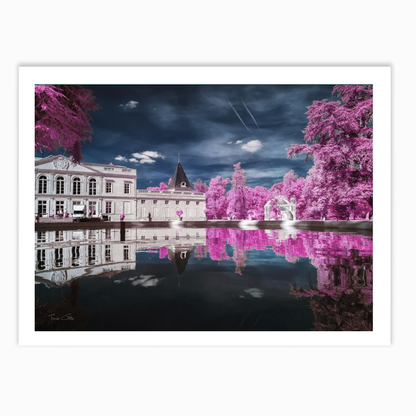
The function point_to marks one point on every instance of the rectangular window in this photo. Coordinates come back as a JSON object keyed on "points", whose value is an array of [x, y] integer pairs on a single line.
{"points": [[59, 235], [76, 186], [108, 187], [41, 237], [75, 256], [59, 257], [126, 207], [126, 188], [197, 202], [92, 187], [91, 254], [155, 201], [107, 253], [41, 257], [166, 202], [59, 207], [41, 207], [126, 252], [60, 185], [108, 207], [43, 185], [92, 208], [143, 201], [177, 202], [187, 202]]}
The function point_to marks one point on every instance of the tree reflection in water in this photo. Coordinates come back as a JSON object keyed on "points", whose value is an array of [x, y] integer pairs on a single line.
{"points": [[343, 297]]}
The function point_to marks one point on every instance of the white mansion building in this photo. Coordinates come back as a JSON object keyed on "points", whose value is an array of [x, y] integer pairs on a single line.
{"points": [[111, 190]]}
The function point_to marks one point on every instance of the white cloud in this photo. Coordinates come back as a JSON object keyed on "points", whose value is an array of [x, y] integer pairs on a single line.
{"points": [[238, 142], [148, 157], [140, 156], [252, 146], [229, 142], [121, 158], [153, 154], [130, 105], [148, 161], [133, 160]]}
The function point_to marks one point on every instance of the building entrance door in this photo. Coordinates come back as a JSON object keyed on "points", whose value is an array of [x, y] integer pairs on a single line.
{"points": [[92, 208]]}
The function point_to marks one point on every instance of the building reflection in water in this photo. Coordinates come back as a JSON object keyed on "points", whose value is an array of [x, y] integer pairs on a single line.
{"points": [[341, 300], [61, 256]]}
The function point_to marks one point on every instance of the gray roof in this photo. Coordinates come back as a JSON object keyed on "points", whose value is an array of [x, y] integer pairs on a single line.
{"points": [[179, 178]]}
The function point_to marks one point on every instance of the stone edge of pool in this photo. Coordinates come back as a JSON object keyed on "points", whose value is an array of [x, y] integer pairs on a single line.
{"points": [[243, 224]]}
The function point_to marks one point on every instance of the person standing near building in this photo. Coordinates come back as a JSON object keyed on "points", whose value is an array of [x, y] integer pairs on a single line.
{"points": [[150, 217], [122, 217]]}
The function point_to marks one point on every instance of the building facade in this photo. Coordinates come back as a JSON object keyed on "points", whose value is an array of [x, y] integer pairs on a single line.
{"points": [[103, 189], [180, 195], [111, 190]]}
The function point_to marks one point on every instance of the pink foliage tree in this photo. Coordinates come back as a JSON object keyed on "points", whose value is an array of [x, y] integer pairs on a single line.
{"points": [[256, 199], [238, 196], [216, 200], [62, 119], [162, 186], [200, 186], [339, 137]]}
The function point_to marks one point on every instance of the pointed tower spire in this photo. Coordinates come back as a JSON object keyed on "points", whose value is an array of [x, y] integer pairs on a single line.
{"points": [[179, 180], [179, 258]]}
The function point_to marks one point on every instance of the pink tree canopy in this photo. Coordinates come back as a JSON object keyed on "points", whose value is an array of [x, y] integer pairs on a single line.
{"points": [[162, 187], [216, 200], [237, 196], [62, 118], [200, 186], [339, 137]]}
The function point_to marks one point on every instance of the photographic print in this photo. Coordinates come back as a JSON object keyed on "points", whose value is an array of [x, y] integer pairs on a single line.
{"points": [[192, 207]]}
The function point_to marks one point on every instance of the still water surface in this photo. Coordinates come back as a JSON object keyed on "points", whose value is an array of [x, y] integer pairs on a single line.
{"points": [[202, 279]]}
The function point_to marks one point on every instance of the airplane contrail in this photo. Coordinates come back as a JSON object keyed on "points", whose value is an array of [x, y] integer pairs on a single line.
{"points": [[248, 111], [244, 124]]}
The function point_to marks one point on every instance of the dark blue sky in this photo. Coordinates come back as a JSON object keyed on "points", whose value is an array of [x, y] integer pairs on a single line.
{"points": [[198, 122]]}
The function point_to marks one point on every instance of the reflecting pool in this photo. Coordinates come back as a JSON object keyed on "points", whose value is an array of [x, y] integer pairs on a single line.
{"points": [[217, 279]]}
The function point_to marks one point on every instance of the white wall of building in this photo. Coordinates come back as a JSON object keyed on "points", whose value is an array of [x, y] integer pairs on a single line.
{"points": [[109, 198], [163, 205]]}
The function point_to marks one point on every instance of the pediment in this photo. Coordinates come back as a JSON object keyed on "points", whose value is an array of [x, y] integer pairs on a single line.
{"points": [[62, 163]]}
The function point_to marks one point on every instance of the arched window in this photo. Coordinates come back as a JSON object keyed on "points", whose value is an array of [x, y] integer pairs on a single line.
{"points": [[59, 185], [76, 186], [92, 187], [42, 184]]}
